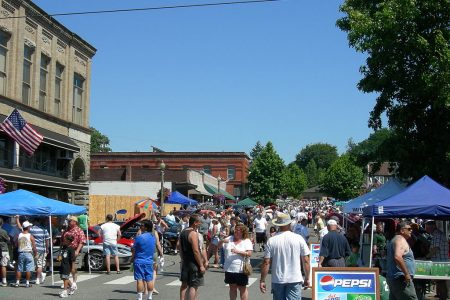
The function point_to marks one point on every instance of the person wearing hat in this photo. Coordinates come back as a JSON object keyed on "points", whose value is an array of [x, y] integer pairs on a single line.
{"points": [[283, 254], [334, 247], [78, 240], [26, 247]]}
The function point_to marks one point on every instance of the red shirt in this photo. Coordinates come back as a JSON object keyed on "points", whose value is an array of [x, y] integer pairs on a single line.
{"points": [[78, 237]]}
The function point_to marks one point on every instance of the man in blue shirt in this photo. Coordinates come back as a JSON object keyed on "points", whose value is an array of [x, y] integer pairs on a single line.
{"points": [[143, 249]]}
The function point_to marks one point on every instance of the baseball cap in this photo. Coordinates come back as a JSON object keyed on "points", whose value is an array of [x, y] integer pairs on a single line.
{"points": [[26, 224]]}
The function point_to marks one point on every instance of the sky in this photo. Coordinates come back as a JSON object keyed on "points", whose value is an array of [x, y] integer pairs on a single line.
{"points": [[221, 78]]}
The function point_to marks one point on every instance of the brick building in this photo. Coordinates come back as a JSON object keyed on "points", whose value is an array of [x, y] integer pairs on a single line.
{"points": [[231, 167], [45, 72]]}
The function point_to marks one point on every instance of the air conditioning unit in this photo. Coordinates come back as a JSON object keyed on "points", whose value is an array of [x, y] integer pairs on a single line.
{"points": [[65, 154]]}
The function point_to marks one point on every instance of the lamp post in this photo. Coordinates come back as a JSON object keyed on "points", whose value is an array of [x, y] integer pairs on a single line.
{"points": [[162, 167], [219, 179]]}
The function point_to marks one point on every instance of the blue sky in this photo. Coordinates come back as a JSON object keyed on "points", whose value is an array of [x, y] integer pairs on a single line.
{"points": [[221, 78]]}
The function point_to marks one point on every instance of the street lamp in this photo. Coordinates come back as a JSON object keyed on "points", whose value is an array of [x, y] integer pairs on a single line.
{"points": [[162, 167], [219, 179]]}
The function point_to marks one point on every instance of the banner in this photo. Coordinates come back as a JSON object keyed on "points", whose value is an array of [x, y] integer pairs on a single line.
{"points": [[313, 258], [345, 284]]}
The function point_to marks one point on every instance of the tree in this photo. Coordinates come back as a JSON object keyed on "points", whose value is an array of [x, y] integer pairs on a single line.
{"points": [[99, 142], [312, 173], [266, 175], [256, 150], [323, 155], [295, 181], [373, 149], [343, 179], [408, 67]]}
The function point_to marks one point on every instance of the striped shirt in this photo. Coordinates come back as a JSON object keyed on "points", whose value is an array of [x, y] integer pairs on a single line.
{"points": [[438, 240], [40, 236]]}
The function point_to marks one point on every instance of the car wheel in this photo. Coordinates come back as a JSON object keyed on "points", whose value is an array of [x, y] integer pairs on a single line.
{"points": [[96, 260]]}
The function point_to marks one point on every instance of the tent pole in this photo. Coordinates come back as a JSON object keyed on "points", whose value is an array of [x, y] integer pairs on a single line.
{"points": [[88, 243], [371, 240], [51, 248], [361, 240]]}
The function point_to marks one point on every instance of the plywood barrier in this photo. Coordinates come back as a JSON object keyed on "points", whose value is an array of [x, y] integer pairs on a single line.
{"points": [[101, 205]]}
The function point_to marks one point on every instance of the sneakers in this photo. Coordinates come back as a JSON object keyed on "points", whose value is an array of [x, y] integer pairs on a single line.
{"points": [[4, 284], [74, 286], [28, 285], [43, 275], [71, 291], [63, 294]]}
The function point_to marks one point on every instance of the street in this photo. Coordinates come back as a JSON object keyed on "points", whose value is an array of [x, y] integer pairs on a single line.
{"points": [[122, 286]]}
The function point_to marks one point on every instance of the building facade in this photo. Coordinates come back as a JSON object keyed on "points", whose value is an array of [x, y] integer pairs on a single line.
{"points": [[45, 72], [229, 170]]}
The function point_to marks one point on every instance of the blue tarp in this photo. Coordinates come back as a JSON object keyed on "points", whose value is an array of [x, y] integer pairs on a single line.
{"points": [[178, 198], [25, 203], [390, 188], [424, 199]]}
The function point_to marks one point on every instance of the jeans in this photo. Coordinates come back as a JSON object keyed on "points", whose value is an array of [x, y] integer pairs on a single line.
{"points": [[287, 291]]}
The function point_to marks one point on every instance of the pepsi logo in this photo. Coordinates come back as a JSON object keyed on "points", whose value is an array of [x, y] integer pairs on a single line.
{"points": [[327, 283]]}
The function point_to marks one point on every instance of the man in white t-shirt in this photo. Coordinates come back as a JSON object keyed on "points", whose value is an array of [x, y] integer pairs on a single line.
{"points": [[283, 253], [260, 226], [110, 233]]}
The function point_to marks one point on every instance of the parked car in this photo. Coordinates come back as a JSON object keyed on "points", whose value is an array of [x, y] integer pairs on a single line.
{"points": [[128, 228], [95, 258]]}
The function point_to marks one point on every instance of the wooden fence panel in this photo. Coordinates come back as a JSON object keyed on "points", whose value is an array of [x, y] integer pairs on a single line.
{"points": [[101, 205]]}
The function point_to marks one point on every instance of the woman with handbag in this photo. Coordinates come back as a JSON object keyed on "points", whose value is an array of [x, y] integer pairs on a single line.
{"points": [[238, 250]]}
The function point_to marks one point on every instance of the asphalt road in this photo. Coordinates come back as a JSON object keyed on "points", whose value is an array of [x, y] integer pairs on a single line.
{"points": [[122, 286]]}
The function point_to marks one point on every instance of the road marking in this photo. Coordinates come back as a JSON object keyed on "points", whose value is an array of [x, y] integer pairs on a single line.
{"points": [[176, 282], [81, 278], [122, 280], [251, 281]]}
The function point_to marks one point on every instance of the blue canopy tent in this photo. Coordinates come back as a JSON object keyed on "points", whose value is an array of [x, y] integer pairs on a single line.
{"points": [[178, 198], [424, 199], [25, 203], [390, 188]]}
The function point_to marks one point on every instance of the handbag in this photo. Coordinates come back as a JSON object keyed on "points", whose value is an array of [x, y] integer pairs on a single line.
{"points": [[247, 269]]}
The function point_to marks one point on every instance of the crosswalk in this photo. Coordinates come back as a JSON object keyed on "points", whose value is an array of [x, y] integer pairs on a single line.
{"points": [[127, 279]]}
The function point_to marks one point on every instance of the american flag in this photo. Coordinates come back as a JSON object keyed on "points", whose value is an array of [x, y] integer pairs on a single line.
{"points": [[20, 131]]}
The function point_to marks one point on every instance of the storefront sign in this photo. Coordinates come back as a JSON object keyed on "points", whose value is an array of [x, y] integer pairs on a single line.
{"points": [[345, 284]]}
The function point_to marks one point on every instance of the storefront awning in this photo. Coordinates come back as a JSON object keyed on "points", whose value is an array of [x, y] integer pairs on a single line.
{"points": [[213, 190], [21, 177]]}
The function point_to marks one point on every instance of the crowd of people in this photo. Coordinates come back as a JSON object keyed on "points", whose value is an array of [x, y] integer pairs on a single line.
{"points": [[227, 239]]}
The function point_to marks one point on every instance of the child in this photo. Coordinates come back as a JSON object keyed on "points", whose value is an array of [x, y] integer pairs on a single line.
{"points": [[67, 257], [352, 260]]}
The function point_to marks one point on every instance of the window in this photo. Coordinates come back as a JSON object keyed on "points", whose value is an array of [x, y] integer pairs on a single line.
{"points": [[207, 169], [26, 80], [58, 89], [77, 109], [43, 75], [237, 191], [3, 52], [43, 160], [6, 151], [231, 172]]}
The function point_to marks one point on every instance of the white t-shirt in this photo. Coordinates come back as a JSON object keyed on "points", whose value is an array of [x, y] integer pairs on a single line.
{"points": [[109, 231], [235, 262], [171, 218], [285, 250], [260, 224]]}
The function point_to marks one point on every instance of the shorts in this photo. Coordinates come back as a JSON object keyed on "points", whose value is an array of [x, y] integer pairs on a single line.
{"points": [[4, 261], [65, 276], [261, 237], [191, 275], [40, 260], [26, 262], [109, 249], [143, 272], [236, 278]]}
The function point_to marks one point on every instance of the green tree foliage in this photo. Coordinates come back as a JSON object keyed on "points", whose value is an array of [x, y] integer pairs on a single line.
{"points": [[99, 142], [266, 176], [373, 149], [322, 154], [256, 150], [295, 181], [343, 179], [408, 66], [312, 173]]}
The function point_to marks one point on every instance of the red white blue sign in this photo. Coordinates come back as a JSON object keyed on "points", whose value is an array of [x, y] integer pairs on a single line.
{"points": [[342, 283]]}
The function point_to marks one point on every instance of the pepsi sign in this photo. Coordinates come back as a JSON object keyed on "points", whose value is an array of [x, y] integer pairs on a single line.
{"points": [[348, 282]]}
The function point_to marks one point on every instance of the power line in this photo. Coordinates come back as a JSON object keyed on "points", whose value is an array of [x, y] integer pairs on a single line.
{"points": [[142, 9]]}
